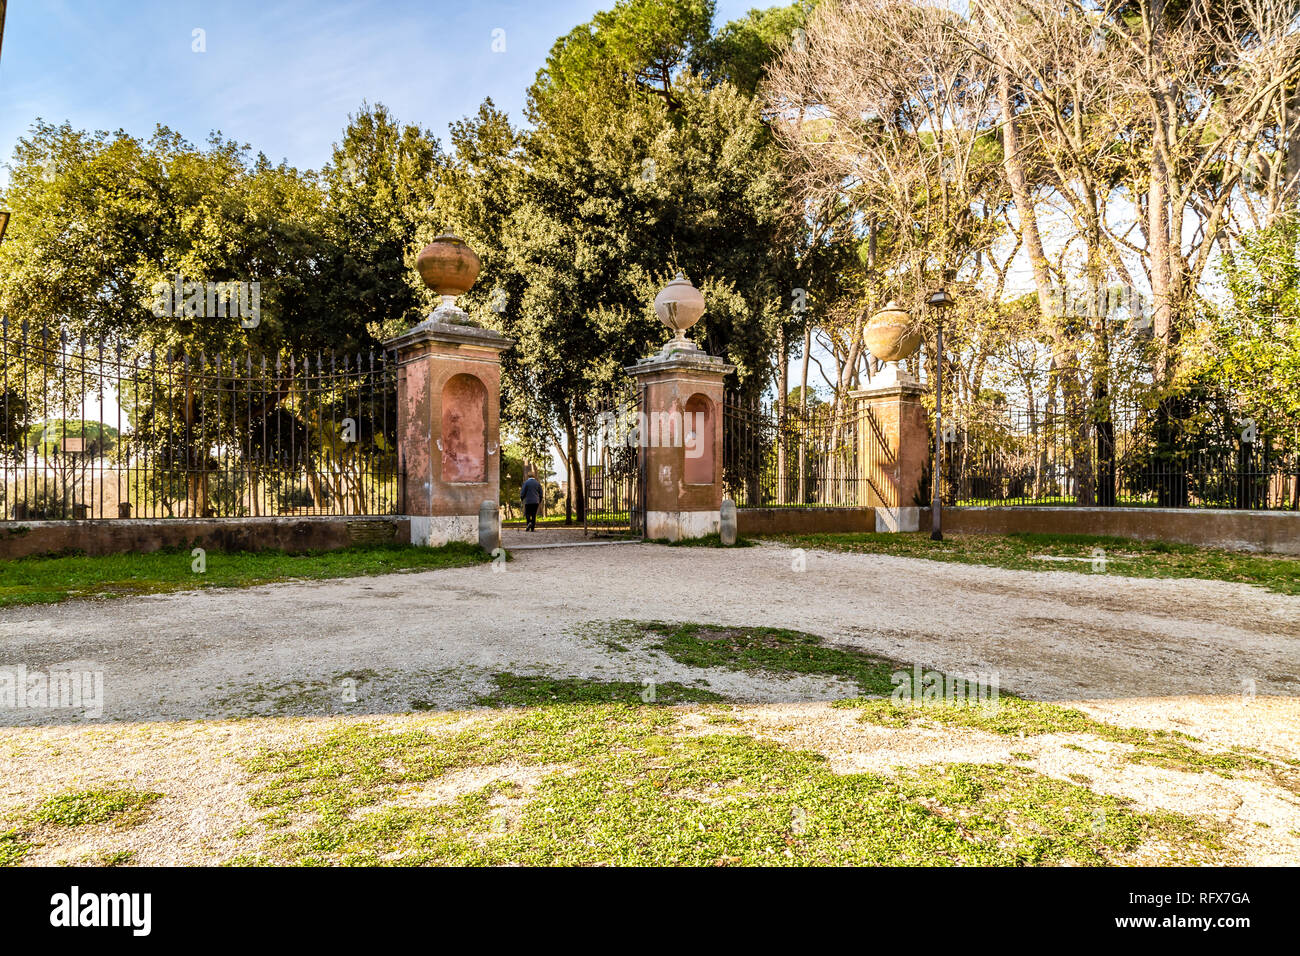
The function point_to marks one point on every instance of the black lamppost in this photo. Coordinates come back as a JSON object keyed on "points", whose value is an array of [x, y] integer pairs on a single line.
{"points": [[938, 301]]}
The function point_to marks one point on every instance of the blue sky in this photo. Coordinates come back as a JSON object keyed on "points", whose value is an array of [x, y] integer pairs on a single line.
{"points": [[281, 76]]}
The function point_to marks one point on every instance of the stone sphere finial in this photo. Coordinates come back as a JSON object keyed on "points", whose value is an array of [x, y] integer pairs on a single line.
{"points": [[449, 267], [679, 306]]}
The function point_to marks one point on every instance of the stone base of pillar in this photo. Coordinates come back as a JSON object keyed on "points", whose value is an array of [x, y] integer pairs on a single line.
{"points": [[892, 375], [898, 519], [433, 531], [680, 525]]}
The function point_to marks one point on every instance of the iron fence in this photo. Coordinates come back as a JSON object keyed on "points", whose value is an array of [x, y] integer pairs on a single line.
{"points": [[101, 430], [1198, 450], [614, 464], [831, 455]]}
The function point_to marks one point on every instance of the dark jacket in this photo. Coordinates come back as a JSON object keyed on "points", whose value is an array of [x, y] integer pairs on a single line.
{"points": [[531, 492]]}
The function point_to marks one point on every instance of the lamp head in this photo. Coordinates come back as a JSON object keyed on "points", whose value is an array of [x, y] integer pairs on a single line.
{"points": [[941, 299]]}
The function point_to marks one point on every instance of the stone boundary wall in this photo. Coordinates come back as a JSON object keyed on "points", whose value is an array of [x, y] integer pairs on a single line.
{"points": [[1276, 532], [1270, 531], [124, 535], [754, 522]]}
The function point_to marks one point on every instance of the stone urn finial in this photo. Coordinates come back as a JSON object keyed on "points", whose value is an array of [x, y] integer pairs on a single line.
{"points": [[449, 267], [679, 306], [890, 334]]}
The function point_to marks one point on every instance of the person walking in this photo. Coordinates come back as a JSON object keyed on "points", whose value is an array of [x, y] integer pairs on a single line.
{"points": [[531, 496]]}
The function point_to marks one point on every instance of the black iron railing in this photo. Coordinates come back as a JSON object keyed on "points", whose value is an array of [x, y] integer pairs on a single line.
{"points": [[830, 455], [1199, 451], [100, 430], [1196, 450], [613, 463]]}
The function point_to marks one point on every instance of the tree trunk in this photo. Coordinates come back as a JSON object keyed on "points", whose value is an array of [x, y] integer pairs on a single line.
{"points": [[803, 417], [1171, 478], [783, 391], [196, 474], [578, 490], [1013, 163], [254, 491], [568, 490], [1065, 358], [1292, 192]]}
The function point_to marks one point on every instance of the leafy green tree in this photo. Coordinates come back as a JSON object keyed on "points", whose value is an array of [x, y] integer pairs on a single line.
{"points": [[636, 165], [380, 186], [646, 43], [100, 220], [1252, 349], [741, 51]]}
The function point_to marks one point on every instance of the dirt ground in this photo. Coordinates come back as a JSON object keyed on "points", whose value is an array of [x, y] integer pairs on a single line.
{"points": [[437, 637], [1172, 654]]}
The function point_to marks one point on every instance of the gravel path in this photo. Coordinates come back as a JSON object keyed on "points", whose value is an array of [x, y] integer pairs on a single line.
{"points": [[433, 639]]}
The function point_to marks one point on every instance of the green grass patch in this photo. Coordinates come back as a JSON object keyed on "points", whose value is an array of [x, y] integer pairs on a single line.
{"points": [[615, 784], [517, 690], [770, 649], [1009, 716], [1016, 717], [13, 847], [713, 540], [112, 858], [122, 807], [50, 579], [548, 520], [1089, 554]]}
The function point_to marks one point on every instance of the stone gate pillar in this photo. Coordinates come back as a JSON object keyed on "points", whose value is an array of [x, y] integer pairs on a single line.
{"points": [[681, 429], [448, 406], [896, 450]]}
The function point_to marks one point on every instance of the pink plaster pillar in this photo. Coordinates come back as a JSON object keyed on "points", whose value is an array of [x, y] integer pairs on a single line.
{"points": [[448, 427]]}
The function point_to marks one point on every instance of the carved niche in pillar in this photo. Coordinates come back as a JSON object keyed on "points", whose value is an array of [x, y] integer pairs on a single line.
{"points": [[464, 430], [699, 440]]}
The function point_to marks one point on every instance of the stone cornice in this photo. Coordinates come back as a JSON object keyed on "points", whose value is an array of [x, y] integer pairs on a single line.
{"points": [[679, 360], [887, 391], [432, 331]]}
